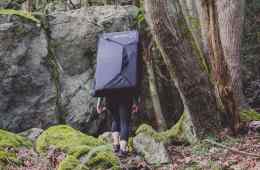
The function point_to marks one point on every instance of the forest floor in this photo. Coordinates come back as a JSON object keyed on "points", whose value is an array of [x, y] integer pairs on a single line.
{"points": [[214, 153], [238, 153], [225, 153]]}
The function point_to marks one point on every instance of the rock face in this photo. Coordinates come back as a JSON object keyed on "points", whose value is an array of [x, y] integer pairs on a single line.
{"points": [[46, 76], [73, 37], [27, 93]]}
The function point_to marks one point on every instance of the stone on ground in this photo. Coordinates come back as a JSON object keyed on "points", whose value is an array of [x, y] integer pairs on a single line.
{"points": [[154, 152]]}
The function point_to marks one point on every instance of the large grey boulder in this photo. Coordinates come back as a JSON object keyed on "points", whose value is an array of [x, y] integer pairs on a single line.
{"points": [[73, 37], [154, 152], [27, 93]]}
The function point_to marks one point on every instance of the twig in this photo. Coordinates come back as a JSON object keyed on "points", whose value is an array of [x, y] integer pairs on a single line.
{"points": [[232, 149]]}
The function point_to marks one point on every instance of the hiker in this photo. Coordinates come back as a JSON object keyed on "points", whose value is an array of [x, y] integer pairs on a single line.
{"points": [[121, 106], [117, 80]]}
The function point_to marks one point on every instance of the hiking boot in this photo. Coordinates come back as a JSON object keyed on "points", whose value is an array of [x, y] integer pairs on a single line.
{"points": [[116, 148], [122, 154]]}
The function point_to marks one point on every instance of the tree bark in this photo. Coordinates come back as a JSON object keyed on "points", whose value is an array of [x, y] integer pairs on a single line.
{"points": [[29, 5], [148, 56], [221, 23], [185, 63], [230, 27]]}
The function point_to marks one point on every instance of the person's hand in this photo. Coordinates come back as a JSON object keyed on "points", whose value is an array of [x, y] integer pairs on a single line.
{"points": [[135, 108], [100, 108]]}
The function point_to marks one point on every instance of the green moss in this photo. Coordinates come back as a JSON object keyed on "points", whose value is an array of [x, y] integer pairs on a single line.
{"points": [[64, 138], [179, 132], [100, 157], [11, 140], [6, 156], [80, 150], [104, 160], [130, 144], [8, 139], [249, 115], [147, 129], [92, 152], [22, 14], [71, 163]]}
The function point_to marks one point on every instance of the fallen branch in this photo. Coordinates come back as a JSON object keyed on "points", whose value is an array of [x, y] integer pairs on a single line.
{"points": [[232, 149]]}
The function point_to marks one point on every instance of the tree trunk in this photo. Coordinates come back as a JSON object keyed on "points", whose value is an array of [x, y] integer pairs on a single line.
{"points": [[230, 19], [221, 23], [185, 63], [148, 57], [29, 5]]}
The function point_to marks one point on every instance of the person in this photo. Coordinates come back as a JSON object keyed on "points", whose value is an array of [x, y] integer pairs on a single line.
{"points": [[121, 105]]}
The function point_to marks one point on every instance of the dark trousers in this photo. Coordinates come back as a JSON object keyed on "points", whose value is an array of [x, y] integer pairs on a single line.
{"points": [[120, 107]]}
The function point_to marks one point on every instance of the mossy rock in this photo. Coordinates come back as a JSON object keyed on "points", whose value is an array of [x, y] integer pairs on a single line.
{"points": [[71, 163], [11, 140], [79, 151], [8, 139], [65, 138], [181, 131], [83, 151], [100, 157], [104, 160]]}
